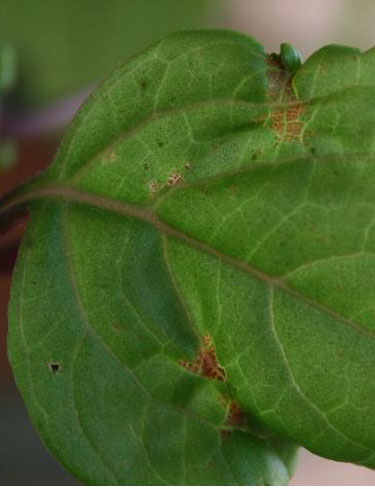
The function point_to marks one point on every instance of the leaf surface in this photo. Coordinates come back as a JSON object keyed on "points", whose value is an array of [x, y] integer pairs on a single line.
{"points": [[195, 292]]}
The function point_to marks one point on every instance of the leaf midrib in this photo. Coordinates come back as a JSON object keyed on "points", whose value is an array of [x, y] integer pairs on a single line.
{"points": [[130, 210]]}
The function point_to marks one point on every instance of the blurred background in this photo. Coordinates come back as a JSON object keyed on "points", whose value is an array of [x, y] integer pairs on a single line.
{"points": [[52, 54]]}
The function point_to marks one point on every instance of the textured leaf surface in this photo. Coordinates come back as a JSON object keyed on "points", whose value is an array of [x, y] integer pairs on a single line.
{"points": [[196, 287]]}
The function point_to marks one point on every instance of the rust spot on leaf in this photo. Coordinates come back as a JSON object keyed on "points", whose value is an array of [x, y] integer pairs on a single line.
{"points": [[235, 418], [207, 364], [285, 122], [154, 187], [174, 179]]}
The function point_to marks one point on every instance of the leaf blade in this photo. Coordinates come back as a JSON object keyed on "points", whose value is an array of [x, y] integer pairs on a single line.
{"points": [[228, 212]]}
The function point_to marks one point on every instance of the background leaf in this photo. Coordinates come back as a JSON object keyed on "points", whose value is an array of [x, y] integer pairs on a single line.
{"points": [[8, 150], [66, 46], [195, 287]]}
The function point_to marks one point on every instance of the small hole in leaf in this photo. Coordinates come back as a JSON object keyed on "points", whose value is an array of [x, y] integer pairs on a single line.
{"points": [[54, 367]]}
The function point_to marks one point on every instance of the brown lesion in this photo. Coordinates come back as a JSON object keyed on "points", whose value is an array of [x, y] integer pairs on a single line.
{"points": [[54, 367], [294, 125], [236, 418], [206, 365], [174, 178], [154, 187], [285, 121]]}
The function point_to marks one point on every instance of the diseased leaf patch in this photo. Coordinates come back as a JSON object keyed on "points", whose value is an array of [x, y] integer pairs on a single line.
{"points": [[236, 418], [286, 121], [207, 364], [226, 200]]}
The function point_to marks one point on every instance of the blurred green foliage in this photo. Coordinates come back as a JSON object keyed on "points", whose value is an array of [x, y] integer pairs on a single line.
{"points": [[7, 68], [65, 45], [8, 150]]}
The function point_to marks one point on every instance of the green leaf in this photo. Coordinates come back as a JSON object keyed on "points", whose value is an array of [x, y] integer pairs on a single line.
{"points": [[195, 291], [64, 46], [8, 150], [7, 68]]}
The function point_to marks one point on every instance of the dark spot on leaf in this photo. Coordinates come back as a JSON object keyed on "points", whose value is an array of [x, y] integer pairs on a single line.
{"points": [[143, 85], [54, 367], [173, 99], [235, 417], [187, 166], [160, 143], [207, 364], [116, 328]]}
